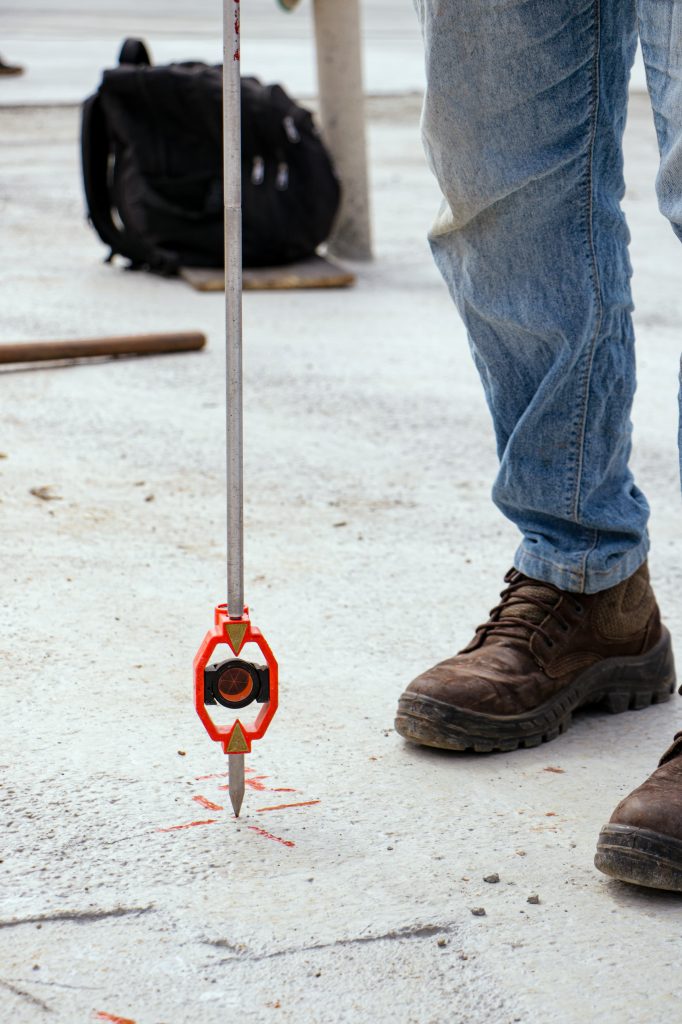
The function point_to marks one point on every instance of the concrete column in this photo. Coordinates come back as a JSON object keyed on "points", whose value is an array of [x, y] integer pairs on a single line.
{"points": [[342, 117]]}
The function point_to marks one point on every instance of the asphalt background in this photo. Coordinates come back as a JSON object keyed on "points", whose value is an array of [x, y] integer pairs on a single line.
{"points": [[372, 551]]}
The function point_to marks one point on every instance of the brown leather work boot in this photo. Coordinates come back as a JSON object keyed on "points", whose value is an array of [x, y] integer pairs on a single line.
{"points": [[543, 653], [642, 843]]}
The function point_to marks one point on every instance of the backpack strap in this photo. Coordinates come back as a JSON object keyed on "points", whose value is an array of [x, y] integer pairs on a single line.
{"points": [[134, 51], [95, 151]]}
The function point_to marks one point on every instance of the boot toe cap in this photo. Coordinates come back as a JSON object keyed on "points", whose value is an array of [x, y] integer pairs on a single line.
{"points": [[485, 688], [651, 807]]}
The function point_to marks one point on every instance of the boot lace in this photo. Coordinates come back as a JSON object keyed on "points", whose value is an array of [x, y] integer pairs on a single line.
{"points": [[523, 607]]}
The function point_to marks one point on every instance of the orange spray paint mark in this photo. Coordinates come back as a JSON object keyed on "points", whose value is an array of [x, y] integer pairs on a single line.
{"points": [[281, 807], [103, 1015], [208, 804], [257, 784], [269, 835], [189, 824]]}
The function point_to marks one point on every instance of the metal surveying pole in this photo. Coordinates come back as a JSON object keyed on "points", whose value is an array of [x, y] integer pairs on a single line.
{"points": [[232, 178]]}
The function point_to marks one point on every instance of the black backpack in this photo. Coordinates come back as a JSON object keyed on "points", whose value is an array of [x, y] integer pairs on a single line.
{"points": [[153, 171]]}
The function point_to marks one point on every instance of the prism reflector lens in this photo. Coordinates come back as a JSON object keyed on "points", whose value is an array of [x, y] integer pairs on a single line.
{"points": [[235, 684]]}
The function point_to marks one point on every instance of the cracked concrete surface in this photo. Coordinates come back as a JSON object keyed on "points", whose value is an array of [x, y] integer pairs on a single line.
{"points": [[128, 891]]}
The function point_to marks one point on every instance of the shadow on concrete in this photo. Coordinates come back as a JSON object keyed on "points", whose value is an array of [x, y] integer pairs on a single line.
{"points": [[638, 897]]}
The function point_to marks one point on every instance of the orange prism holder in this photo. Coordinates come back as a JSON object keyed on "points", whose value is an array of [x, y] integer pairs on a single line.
{"points": [[237, 737]]}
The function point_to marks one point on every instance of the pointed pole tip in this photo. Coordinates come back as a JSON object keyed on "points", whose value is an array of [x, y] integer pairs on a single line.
{"points": [[236, 782]]}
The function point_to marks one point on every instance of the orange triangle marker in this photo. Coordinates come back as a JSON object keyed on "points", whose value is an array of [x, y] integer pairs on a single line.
{"points": [[237, 743], [236, 631]]}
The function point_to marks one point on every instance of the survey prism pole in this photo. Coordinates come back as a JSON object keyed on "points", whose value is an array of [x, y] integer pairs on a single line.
{"points": [[232, 184], [234, 683]]}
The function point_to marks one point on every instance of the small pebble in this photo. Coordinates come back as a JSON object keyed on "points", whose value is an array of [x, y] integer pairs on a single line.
{"points": [[492, 878], [479, 911], [533, 899], [442, 943], [182, 753]]}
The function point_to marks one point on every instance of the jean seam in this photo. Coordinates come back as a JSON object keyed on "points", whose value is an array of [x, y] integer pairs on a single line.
{"points": [[574, 572], [567, 571], [585, 558], [554, 565], [584, 384]]}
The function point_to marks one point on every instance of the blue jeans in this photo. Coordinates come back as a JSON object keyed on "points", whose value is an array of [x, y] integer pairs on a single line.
{"points": [[522, 124]]}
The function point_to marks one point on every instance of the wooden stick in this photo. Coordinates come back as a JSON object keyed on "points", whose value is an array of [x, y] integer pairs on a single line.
{"points": [[135, 344]]}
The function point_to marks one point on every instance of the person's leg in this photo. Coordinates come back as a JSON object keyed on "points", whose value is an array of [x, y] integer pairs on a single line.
{"points": [[523, 118], [660, 31], [523, 121], [642, 842]]}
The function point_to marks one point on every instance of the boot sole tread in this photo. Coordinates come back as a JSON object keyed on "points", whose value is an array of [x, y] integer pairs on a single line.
{"points": [[617, 684], [640, 856]]}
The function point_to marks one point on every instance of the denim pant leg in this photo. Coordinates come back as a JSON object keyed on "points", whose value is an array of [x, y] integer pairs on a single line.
{"points": [[660, 29], [522, 124]]}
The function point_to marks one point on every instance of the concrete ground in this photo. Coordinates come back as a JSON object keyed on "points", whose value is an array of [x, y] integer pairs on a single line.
{"points": [[129, 893]]}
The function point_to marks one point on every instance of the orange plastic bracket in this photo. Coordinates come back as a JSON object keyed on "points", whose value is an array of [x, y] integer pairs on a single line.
{"points": [[235, 738]]}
